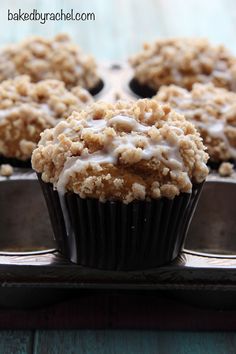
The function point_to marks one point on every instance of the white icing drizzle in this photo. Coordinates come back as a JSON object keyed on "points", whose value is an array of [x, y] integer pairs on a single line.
{"points": [[215, 127], [95, 125], [35, 108], [4, 113], [163, 150], [127, 122], [78, 163]]}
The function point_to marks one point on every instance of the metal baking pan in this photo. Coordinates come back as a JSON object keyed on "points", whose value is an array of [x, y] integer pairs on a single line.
{"points": [[32, 271], [29, 259]]}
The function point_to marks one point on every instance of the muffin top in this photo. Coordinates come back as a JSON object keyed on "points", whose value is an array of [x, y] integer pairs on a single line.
{"points": [[42, 58], [212, 110], [184, 61], [123, 151], [27, 108]]}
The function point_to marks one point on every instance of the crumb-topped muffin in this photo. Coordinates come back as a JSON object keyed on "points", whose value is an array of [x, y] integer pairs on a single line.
{"points": [[27, 108], [57, 58], [212, 110], [121, 182], [126, 151], [183, 62]]}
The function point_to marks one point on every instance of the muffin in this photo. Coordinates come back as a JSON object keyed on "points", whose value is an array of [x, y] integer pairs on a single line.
{"points": [[182, 62], [121, 182], [212, 110], [27, 108], [57, 58]]}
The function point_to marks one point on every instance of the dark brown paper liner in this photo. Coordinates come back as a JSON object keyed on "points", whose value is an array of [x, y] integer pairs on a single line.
{"points": [[214, 165], [118, 236], [140, 90], [96, 89], [15, 162]]}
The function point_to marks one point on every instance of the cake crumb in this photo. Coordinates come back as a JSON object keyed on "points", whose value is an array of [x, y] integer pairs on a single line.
{"points": [[226, 169], [6, 170]]}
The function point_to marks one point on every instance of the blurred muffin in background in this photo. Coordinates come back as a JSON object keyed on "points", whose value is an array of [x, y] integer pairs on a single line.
{"points": [[57, 58], [27, 108], [183, 62], [212, 110]]}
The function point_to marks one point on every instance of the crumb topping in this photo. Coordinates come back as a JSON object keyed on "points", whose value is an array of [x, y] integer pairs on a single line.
{"points": [[27, 108], [183, 62], [212, 110], [123, 151], [6, 170], [226, 169], [57, 58]]}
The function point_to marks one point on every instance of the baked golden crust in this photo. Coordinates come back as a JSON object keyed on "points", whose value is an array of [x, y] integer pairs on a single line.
{"points": [[27, 108], [183, 62], [124, 151], [57, 58], [212, 110]]}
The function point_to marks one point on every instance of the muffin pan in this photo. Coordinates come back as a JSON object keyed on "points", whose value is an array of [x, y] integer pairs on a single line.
{"points": [[28, 255]]}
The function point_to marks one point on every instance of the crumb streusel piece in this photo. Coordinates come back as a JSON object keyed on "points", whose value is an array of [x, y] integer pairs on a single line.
{"points": [[123, 151], [27, 108], [183, 62], [6, 170], [212, 110], [57, 58], [226, 169]]}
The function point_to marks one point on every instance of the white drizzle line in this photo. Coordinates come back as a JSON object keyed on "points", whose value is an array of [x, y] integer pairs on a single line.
{"points": [[214, 127], [37, 109], [114, 149]]}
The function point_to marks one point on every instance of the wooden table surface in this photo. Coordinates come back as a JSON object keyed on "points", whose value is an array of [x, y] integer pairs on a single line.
{"points": [[115, 342], [120, 28]]}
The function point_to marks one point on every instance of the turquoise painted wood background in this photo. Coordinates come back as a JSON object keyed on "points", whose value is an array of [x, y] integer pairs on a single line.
{"points": [[121, 26], [115, 342]]}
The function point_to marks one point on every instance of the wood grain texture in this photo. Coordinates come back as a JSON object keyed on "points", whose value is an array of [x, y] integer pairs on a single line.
{"points": [[121, 26], [115, 342], [16, 342], [133, 342]]}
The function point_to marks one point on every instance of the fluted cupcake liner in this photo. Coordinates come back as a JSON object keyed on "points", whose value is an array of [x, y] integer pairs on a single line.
{"points": [[143, 91], [15, 162], [96, 89], [214, 165], [117, 236]]}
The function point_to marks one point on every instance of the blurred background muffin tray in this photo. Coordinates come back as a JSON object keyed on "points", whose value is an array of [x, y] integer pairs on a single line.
{"points": [[30, 262]]}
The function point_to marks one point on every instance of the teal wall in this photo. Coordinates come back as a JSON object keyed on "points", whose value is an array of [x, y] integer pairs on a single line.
{"points": [[121, 26]]}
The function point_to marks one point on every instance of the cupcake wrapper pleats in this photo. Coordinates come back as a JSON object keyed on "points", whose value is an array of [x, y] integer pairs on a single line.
{"points": [[118, 236]]}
